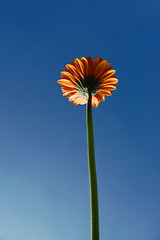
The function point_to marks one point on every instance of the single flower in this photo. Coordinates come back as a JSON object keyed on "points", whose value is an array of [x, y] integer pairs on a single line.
{"points": [[84, 77]]}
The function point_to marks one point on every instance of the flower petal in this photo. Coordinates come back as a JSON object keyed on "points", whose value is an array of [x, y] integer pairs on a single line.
{"points": [[70, 68], [107, 74], [67, 91], [100, 97], [90, 64], [67, 75], [105, 92], [77, 101], [109, 81], [86, 66], [79, 65], [73, 97], [108, 86], [84, 101], [66, 82], [102, 66], [95, 63], [95, 101]]}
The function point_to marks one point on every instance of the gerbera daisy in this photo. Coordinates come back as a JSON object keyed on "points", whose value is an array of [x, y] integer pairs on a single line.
{"points": [[84, 77]]}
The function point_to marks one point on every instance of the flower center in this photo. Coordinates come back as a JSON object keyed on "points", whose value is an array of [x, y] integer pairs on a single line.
{"points": [[87, 85]]}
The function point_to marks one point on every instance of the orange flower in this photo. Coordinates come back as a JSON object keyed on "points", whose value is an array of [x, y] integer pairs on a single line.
{"points": [[84, 77]]}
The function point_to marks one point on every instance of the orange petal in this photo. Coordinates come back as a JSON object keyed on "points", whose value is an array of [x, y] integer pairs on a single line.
{"points": [[73, 97], [108, 87], [84, 101], [70, 94], [95, 63], [107, 74], [66, 82], [79, 66], [70, 68], [86, 66], [109, 81], [78, 101], [95, 101], [67, 75], [73, 63], [108, 93], [102, 66], [100, 96], [90, 65], [105, 92], [67, 93], [67, 90]]}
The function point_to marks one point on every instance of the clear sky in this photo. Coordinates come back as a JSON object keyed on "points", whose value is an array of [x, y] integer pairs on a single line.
{"points": [[44, 192]]}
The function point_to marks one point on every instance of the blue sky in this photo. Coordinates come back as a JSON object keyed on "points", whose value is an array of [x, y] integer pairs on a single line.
{"points": [[44, 192]]}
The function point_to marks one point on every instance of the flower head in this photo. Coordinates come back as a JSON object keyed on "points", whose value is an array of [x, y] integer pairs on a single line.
{"points": [[84, 77]]}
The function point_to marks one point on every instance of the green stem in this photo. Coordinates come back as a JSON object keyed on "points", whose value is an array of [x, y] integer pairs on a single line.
{"points": [[92, 174]]}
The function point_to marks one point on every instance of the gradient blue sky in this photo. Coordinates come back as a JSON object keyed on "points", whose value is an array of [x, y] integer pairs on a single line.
{"points": [[44, 192]]}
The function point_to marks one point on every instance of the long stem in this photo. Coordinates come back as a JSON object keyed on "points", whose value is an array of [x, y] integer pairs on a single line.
{"points": [[92, 174]]}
